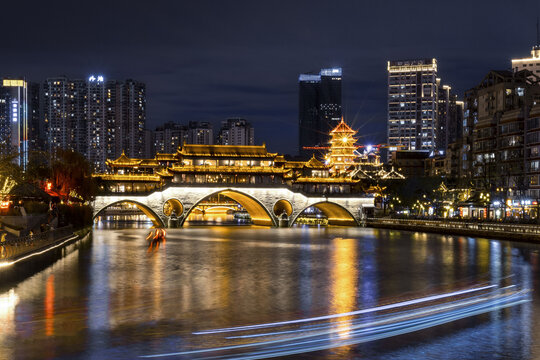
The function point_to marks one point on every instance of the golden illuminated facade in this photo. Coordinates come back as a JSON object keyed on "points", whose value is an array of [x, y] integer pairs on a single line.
{"points": [[370, 167], [250, 165], [341, 155]]}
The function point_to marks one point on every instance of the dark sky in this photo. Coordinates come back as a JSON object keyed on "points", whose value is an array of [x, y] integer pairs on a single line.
{"points": [[209, 60]]}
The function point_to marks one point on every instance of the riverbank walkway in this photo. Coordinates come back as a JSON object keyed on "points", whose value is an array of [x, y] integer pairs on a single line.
{"points": [[517, 232], [14, 248]]}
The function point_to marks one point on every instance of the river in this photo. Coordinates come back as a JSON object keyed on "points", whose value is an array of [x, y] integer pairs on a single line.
{"points": [[115, 298]]}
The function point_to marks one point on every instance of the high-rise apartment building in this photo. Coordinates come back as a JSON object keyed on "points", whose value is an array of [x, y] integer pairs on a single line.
{"points": [[113, 120], [96, 117], [319, 107], [169, 137], [134, 117], [96, 122], [236, 131], [501, 135], [64, 103], [200, 133]]}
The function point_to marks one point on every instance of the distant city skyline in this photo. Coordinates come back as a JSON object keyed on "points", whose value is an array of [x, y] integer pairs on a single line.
{"points": [[208, 62]]}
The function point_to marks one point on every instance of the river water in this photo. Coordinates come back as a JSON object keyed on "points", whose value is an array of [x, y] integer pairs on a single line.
{"points": [[115, 298]]}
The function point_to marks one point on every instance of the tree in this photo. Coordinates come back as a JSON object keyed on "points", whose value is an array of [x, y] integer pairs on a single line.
{"points": [[71, 172], [10, 174], [38, 168]]}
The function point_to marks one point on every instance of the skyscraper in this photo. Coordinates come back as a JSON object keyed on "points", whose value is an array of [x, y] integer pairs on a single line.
{"points": [[113, 119], [134, 118], [422, 112], [64, 103], [319, 107], [17, 108], [236, 131], [96, 117], [36, 131], [96, 123]]}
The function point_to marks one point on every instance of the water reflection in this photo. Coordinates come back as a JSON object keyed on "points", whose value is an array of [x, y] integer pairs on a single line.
{"points": [[49, 306], [344, 275], [8, 303], [113, 300]]}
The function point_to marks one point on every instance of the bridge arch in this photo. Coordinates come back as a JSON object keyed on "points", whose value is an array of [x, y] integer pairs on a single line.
{"points": [[156, 220], [173, 204], [257, 211], [336, 214], [282, 206]]}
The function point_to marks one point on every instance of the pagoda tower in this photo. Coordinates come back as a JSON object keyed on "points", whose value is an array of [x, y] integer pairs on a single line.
{"points": [[341, 155]]}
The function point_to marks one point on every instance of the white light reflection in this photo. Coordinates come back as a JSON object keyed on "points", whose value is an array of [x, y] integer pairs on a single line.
{"points": [[357, 312], [361, 331], [8, 302]]}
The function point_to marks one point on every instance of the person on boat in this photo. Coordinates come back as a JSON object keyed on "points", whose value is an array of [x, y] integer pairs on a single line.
{"points": [[155, 237]]}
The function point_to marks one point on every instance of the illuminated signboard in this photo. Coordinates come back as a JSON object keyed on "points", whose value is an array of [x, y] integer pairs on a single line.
{"points": [[15, 110], [9, 82]]}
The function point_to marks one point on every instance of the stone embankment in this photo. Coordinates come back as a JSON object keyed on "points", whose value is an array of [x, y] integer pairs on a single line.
{"points": [[23, 256], [515, 232]]}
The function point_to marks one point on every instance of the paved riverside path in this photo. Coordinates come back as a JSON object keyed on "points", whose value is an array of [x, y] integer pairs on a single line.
{"points": [[15, 248], [517, 232]]}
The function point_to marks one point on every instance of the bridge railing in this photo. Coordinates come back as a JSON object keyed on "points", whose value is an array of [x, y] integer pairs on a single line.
{"points": [[461, 225], [231, 185], [14, 248]]}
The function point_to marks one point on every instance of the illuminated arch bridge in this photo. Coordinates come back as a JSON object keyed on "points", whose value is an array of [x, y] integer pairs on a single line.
{"points": [[265, 205]]}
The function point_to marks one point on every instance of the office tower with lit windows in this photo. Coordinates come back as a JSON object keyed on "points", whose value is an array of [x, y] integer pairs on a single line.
{"points": [[236, 131], [412, 105], [319, 107], [5, 123], [19, 109]]}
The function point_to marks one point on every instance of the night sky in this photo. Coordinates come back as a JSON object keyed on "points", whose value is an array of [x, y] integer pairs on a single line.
{"points": [[209, 60]]}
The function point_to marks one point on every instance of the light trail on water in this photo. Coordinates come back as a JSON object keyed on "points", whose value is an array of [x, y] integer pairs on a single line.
{"points": [[314, 336]]}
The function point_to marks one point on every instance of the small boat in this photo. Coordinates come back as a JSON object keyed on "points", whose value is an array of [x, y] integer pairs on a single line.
{"points": [[156, 236]]}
